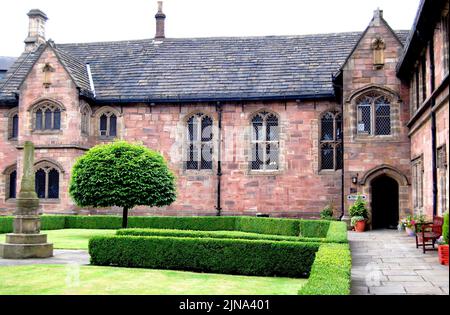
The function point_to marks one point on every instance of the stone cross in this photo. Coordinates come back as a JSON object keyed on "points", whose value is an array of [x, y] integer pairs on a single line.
{"points": [[26, 241]]}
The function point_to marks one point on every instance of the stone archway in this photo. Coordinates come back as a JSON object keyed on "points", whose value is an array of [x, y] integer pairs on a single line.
{"points": [[391, 182]]}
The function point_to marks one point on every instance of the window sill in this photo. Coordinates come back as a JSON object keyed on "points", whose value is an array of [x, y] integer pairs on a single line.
{"points": [[47, 132], [264, 172], [11, 200], [330, 172], [49, 201], [104, 138]]}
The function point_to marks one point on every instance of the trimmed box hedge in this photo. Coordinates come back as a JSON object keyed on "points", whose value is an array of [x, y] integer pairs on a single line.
{"points": [[215, 234], [331, 271], [316, 230], [226, 256], [48, 222]]}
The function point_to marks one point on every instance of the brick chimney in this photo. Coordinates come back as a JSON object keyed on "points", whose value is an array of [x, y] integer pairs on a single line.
{"points": [[36, 29], [160, 18]]}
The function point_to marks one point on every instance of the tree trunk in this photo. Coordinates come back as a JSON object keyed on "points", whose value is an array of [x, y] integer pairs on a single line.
{"points": [[125, 218]]}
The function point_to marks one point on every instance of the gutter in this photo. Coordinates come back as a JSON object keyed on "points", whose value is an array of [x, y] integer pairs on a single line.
{"points": [[219, 160]]}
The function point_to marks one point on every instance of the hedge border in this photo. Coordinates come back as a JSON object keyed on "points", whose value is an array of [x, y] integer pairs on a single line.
{"points": [[316, 230], [224, 256], [330, 272], [216, 234]]}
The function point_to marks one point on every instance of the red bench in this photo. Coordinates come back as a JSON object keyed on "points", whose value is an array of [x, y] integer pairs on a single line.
{"points": [[428, 233]]}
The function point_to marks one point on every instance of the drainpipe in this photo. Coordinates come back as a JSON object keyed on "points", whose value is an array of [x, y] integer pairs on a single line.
{"points": [[433, 126], [219, 159]]}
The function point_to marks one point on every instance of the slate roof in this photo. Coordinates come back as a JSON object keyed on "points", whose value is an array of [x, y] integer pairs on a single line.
{"points": [[6, 62], [196, 69]]}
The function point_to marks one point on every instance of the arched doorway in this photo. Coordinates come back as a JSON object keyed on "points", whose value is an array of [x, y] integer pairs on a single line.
{"points": [[385, 203]]}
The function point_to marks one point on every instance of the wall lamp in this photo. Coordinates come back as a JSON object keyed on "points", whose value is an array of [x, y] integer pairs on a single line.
{"points": [[355, 179]]}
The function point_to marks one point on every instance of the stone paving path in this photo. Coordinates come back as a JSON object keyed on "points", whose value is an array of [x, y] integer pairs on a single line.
{"points": [[387, 262], [80, 257]]}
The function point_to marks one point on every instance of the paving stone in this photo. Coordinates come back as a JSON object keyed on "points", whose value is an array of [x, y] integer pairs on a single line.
{"points": [[423, 290], [388, 263], [387, 290], [360, 290], [405, 278]]}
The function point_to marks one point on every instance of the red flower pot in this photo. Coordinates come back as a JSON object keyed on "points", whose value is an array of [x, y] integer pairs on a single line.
{"points": [[443, 254], [360, 226]]}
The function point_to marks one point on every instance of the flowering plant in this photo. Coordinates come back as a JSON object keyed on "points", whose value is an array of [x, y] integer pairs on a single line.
{"points": [[411, 221]]}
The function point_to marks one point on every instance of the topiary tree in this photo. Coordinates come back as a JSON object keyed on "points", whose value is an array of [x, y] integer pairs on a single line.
{"points": [[122, 174]]}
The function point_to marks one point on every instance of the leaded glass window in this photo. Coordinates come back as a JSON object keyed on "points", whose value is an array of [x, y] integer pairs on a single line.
{"points": [[331, 141], [374, 115], [47, 117], [265, 142], [199, 142], [108, 125], [47, 182]]}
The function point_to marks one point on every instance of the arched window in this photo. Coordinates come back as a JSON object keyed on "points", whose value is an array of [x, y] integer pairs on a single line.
{"points": [[331, 141], [374, 115], [13, 124], [47, 182], [108, 124], [47, 116], [85, 119], [199, 142], [265, 142], [12, 184]]}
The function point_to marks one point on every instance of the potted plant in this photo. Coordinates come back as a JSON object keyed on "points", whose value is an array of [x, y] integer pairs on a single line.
{"points": [[359, 223], [409, 225], [443, 248], [358, 213]]}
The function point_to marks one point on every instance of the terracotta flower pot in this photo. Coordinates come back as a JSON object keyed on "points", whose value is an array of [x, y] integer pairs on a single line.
{"points": [[443, 254], [360, 226]]}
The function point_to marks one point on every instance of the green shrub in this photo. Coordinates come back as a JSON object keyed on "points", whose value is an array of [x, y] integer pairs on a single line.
{"points": [[93, 222], [327, 212], [314, 228], [48, 222], [6, 224], [286, 227], [227, 256], [359, 208], [122, 174], [337, 233], [184, 223], [53, 222], [215, 234], [330, 273], [445, 228]]}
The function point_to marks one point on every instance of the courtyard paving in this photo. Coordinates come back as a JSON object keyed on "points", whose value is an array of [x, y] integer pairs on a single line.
{"points": [[60, 256], [387, 262]]}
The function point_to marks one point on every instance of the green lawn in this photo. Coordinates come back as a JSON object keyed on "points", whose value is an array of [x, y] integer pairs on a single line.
{"points": [[66, 279], [70, 238]]}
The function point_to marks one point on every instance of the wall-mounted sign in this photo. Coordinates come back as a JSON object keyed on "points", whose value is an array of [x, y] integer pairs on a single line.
{"points": [[355, 197]]}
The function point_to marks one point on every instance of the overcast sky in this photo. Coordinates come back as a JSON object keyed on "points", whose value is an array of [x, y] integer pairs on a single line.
{"points": [[106, 20]]}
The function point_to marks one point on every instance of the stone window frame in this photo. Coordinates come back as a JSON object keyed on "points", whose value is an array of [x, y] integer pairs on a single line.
{"points": [[43, 105], [109, 111], [417, 174], [335, 142], [265, 172], [7, 180], [395, 108], [445, 27], [47, 166], [10, 115], [199, 143], [442, 166], [85, 117]]}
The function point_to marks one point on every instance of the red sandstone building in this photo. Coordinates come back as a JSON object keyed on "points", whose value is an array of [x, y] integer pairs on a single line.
{"points": [[283, 125]]}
